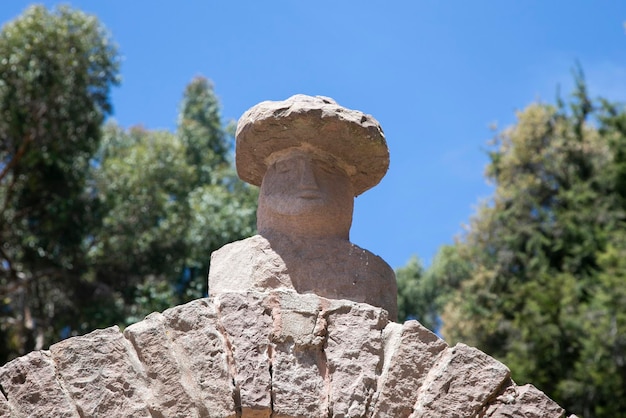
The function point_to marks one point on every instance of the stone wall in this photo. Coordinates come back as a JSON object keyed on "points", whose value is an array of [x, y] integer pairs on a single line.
{"points": [[274, 354]]}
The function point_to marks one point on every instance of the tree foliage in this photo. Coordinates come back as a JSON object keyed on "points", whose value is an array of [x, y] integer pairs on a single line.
{"points": [[422, 294], [160, 223], [100, 225], [541, 284], [56, 69], [411, 302]]}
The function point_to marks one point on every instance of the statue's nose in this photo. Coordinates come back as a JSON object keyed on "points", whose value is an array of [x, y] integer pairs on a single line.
{"points": [[307, 176]]}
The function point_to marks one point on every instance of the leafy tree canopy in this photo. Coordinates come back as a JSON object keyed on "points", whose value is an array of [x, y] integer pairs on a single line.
{"points": [[160, 223], [100, 225], [56, 69], [538, 279]]}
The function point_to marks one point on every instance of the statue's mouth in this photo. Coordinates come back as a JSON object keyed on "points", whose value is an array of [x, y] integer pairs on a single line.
{"points": [[310, 195]]}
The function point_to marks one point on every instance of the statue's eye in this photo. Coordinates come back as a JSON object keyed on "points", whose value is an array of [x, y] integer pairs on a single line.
{"points": [[284, 166]]}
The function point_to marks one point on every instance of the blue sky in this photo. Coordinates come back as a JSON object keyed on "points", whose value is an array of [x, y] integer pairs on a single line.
{"points": [[436, 75]]}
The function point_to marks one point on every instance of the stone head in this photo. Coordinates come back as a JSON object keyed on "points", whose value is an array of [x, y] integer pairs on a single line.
{"points": [[310, 157]]}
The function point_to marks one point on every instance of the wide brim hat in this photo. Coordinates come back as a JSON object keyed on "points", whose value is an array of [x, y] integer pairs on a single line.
{"points": [[351, 136]]}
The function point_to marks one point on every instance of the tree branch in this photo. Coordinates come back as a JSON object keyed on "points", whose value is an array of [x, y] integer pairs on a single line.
{"points": [[17, 157], [39, 113]]}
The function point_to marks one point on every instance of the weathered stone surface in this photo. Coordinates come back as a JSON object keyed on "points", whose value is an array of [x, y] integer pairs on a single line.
{"points": [[354, 136], [280, 354], [460, 384], [354, 353], [101, 372], [162, 366], [524, 402], [202, 351], [250, 267], [298, 362], [413, 350], [5, 410], [247, 323], [260, 264], [310, 157], [32, 388]]}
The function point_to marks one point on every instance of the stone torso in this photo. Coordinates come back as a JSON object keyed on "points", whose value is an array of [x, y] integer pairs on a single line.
{"points": [[335, 269]]}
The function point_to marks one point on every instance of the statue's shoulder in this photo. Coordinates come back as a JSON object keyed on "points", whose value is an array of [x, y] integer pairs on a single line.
{"points": [[378, 280], [241, 248], [250, 263], [372, 262]]}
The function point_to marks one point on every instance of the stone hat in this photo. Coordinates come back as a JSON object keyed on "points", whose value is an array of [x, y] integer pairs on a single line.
{"points": [[354, 138]]}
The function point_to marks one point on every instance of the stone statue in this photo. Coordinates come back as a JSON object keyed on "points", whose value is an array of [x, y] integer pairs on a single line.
{"points": [[310, 157], [253, 353]]}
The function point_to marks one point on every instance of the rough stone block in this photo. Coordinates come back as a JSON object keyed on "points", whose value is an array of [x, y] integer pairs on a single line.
{"points": [[5, 410], [413, 351], [298, 361], [462, 381], [524, 402], [280, 354], [202, 352], [354, 352], [32, 389], [247, 323], [165, 378], [102, 374]]}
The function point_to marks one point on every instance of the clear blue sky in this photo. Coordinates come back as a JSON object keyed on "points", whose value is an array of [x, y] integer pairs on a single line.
{"points": [[435, 74]]}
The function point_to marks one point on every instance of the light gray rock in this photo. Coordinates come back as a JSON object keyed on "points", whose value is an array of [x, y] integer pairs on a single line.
{"points": [[5, 409], [164, 371], [524, 402], [260, 354], [247, 324], [460, 384], [103, 375], [413, 351], [32, 388], [354, 353], [248, 265], [299, 375], [202, 351]]}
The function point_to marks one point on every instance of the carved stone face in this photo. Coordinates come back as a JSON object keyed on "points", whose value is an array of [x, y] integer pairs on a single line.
{"points": [[305, 194]]}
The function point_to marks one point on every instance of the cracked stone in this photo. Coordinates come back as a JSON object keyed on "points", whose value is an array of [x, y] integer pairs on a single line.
{"points": [[248, 326], [32, 388], [415, 350], [462, 381], [162, 366], [298, 360], [524, 402], [102, 374], [354, 351], [202, 351], [275, 354]]}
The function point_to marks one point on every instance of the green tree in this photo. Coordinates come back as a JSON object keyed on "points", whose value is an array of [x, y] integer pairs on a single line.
{"points": [[56, 69], [223, 208], [161, 222], [600, 375], [100, 225], [200, 129], [411, 303], [422, 294], [541, 285], [141, 181]]}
